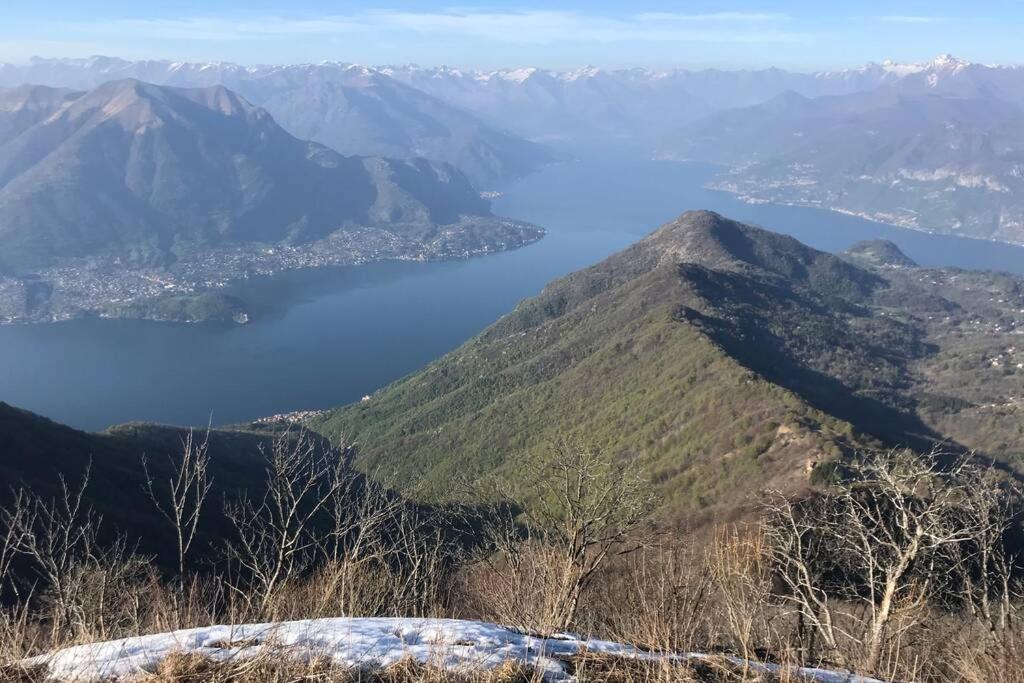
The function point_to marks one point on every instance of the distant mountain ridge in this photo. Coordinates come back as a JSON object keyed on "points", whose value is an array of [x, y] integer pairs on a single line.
{"points": [[541, 104], [934, 146], [354, 110], [948, 158], [719, 359]]}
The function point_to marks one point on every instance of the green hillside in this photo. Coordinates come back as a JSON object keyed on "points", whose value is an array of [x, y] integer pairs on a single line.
{"points": [[719, 358]]}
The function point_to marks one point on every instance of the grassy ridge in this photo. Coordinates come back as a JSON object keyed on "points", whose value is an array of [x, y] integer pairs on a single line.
{"points": [[719, 359], [602, 355]]}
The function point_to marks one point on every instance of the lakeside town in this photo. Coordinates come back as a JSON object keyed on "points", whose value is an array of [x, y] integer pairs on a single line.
{"points": [[106, 287]]}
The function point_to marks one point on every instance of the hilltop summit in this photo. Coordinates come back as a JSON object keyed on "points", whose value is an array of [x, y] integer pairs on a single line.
{"points": [[879, 253]]}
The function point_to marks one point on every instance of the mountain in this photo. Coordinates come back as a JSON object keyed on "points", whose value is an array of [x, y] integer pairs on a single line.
{"points": [[352, 109], [586, 106], [25, 106], [131, 175], [639, 106], [138, 168], [878, 254], [460, 115], [719, 359], [916, 157]]}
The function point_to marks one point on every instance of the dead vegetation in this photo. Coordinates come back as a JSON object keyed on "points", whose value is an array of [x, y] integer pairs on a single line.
{"points": [[901, 572]]}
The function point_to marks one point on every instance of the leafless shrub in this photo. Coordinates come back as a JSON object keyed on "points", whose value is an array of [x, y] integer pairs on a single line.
{"points": [[16, 525], [373, 552], [905, 549], [862, 562], [87, 588], [657, 598], [741, 573], [180, 500], [584, 508], [275, 540]]}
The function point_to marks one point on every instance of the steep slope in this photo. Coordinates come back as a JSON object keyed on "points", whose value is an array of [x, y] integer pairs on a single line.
{"points": [[40, 456], [358, 111], [717, 357], [352, 109], [35, 452]]}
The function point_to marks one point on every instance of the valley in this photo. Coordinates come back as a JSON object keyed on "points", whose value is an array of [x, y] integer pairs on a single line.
{"points": [[301, 336], [689, 367]]}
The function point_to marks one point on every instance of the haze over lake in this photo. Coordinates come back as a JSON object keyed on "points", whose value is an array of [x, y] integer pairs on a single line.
{"points": [[322, 338]]}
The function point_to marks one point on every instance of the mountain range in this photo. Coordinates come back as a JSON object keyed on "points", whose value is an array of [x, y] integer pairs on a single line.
{"points": [[353, 109], [918, 158], [541, 104], [199, 180], [719, 359], [585, 104], [934, 146]]}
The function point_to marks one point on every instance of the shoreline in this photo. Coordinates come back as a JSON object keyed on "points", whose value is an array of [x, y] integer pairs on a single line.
{"points": [[873, 218], [191, 281]]}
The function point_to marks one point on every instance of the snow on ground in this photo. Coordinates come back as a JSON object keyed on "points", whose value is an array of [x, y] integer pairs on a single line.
{"points": [[359, 643]]}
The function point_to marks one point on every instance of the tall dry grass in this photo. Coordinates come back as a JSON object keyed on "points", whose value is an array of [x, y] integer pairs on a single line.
{"points": [[356, 550]]}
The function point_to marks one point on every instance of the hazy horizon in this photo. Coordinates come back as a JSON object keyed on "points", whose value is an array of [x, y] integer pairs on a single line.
{"points": [[793, 35], [513, 66]]}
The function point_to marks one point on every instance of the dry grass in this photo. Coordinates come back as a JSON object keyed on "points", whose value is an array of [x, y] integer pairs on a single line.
{"points": [[382, 558], [21, 673], [193, 668], [662, 599]]}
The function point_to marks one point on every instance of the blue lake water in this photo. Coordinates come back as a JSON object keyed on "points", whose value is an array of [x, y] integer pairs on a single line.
{"points": [[326, 337]]}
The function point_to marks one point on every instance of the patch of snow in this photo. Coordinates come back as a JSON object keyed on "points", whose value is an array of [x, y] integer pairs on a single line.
{"points": [[889, 66], [366, 643], [585, 72], [947, 62], [517, 75]]}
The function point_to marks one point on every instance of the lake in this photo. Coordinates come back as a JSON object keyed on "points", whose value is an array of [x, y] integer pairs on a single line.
{"points": [[322, 338]]}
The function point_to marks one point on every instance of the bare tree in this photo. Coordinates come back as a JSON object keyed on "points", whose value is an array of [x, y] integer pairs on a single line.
{"points": [[83, 583], [62, 531], [740, 571], [274, 539], [583, 508], [180, 500], [987, 570], [879, 546], [15, 525]]}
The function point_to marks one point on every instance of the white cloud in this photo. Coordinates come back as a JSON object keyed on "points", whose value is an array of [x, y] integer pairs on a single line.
{"points": [[536, 26]]}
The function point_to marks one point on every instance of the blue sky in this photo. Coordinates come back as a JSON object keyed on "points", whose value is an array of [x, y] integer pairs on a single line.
{"points": [[652, 33]]}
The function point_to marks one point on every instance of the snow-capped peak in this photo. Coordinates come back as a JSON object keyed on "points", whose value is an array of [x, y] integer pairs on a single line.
{"points": [[577, 74], [900, 69], [947, 62], [518, 75]]}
